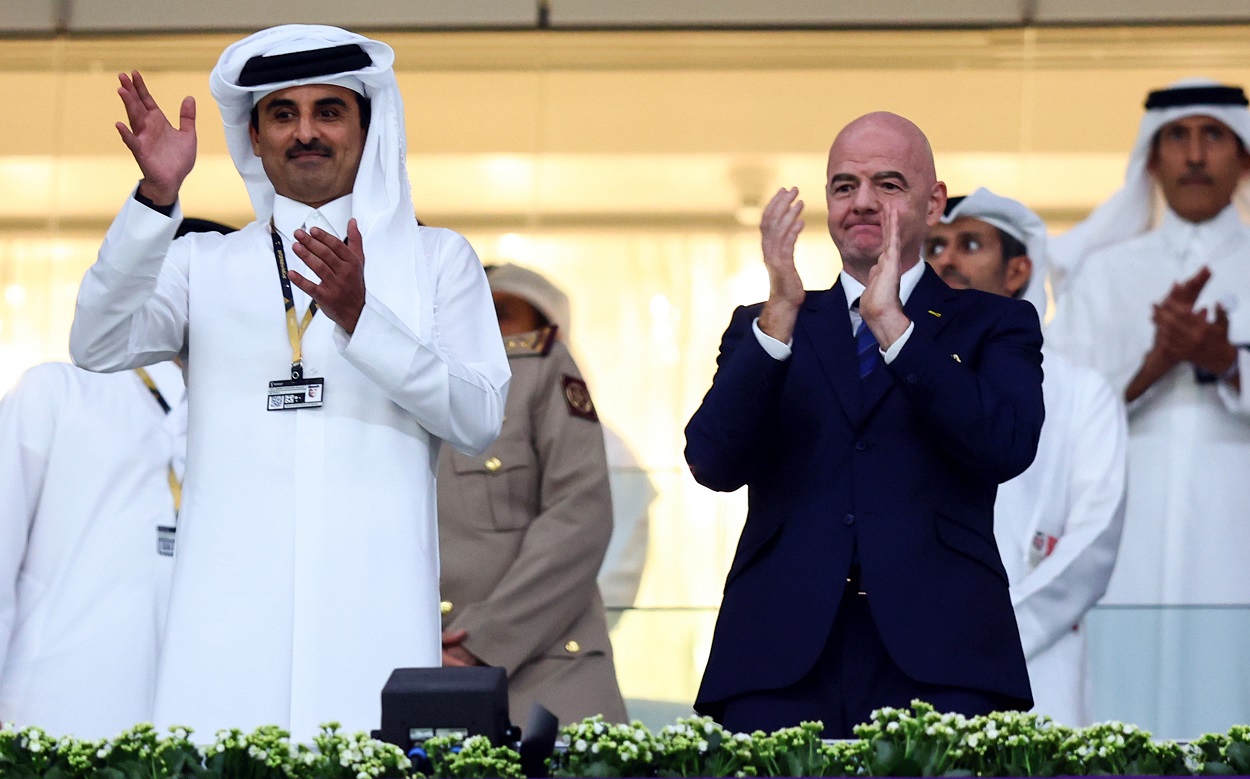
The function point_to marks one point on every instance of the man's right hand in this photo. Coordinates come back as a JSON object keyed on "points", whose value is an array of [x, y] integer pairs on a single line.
{"points": [[780, 226], [165, 155]]}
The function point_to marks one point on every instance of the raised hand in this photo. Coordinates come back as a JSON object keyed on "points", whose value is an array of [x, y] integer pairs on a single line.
{"points": [[880, 305], [1186, 292], [165, 155], [341, 268], [780, 226]]}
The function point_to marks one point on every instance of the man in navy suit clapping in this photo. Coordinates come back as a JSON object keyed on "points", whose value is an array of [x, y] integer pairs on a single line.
{"points": [[872, 424]]}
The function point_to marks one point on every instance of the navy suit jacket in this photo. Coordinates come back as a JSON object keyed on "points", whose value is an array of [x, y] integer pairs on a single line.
{"points": [[899, 469]]}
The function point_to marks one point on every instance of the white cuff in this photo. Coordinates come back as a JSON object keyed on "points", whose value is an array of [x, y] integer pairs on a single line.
{"points": [[776, 349], [897, 346]]}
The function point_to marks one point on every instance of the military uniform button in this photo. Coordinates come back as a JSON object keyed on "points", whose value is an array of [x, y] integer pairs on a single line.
{"points": [[445, 607], [849, 519], [573, 647], [493, 464]]}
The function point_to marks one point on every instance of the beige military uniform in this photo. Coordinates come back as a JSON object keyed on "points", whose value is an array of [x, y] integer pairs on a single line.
{"points": [[523, 529]]}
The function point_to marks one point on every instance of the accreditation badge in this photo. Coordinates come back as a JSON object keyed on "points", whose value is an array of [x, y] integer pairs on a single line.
{"points": [[165, 540], [294, 394]]}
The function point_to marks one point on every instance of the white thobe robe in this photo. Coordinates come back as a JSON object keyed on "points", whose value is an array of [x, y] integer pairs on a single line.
{"points": [[84, 491], [307, 563], [1186, 537], [1058, 527]]}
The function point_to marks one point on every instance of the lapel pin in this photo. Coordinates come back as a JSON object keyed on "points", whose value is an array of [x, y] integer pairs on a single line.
{"points": [[957, 359], [936, 314]]}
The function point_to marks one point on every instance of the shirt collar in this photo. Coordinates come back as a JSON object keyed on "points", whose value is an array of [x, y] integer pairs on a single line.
{"points": [[290, 215], [1179, 232], [906, 284]]}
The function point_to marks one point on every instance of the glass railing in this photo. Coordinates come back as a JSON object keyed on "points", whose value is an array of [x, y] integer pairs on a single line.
{"points": [[1177, 671]]}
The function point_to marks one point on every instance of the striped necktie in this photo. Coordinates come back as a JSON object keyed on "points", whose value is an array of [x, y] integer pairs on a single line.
{"points": [[866, 347]]}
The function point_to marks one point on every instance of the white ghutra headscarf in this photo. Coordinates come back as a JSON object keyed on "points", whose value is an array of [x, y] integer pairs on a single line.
{"points": [[1131, 211], [382, 194], [1018, 221]]}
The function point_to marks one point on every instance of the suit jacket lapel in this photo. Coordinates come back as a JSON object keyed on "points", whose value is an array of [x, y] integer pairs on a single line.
{"points": [[928, 307], [826, 328]]}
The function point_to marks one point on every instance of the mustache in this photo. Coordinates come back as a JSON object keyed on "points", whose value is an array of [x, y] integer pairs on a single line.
{"points": [[1197, 178], [315, 146]]}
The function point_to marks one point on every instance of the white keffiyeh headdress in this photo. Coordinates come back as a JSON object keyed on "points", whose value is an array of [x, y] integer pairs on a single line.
{"points": [[1130, 211], [300, 54], [1018, 221]]}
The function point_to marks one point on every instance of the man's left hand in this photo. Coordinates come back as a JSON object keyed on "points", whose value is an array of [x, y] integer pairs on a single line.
{"points": [[880, 305], [454, 654], [341, 267]]}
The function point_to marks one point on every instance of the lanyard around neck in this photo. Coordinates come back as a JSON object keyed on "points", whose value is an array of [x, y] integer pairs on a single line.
{"points": [[295, 329], [175, 486]]}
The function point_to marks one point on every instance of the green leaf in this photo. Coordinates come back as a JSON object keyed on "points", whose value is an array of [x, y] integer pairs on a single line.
{"points": [[1238, 753]]}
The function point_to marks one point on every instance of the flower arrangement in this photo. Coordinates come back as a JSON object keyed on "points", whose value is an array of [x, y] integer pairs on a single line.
{"points": [[918, 741], [456, 757]]}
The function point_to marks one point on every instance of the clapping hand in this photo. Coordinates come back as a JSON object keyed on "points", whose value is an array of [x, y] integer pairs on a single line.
{"points": [[780, 226], [341, 268], [880, 305], [1186, 334]]}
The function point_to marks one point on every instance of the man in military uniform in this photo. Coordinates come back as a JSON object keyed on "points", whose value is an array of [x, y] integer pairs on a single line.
{"points": [[524, 526]]}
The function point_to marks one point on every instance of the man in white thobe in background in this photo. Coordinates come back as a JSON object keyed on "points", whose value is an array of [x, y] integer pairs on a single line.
{"points": [[1164, 314], [308, 554], [89, 472], [1058, 524]]}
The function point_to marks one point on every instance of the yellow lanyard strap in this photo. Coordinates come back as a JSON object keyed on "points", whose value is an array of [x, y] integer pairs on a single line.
{"points": [[175, 486], [294, 329]]}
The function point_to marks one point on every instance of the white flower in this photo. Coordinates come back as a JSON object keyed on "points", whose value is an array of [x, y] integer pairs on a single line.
{"points": [[580, 745], [708, 727], [972, 740], [594, 748], [702, 746], [35, 746], [892, 727], [598, 728]]}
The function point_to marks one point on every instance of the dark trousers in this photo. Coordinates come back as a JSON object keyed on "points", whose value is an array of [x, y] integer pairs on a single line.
{"points": [[853, 675]]}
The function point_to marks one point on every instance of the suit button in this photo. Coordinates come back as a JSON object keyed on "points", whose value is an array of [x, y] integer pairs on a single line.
{"points": [[573, 647], [912, 378], [493, 464], [445, 607], [861, 446], [849, 519]]}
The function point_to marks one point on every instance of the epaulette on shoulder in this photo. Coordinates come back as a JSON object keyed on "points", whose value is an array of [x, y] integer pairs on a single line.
{"points": [[536, 343]]}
